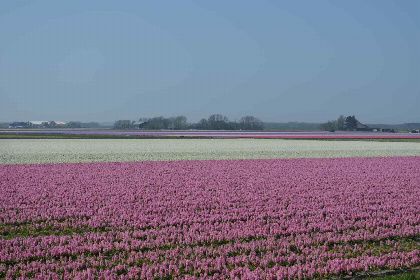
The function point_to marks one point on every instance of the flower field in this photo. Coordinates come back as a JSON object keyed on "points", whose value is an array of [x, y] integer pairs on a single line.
{"points": [[102, 150], [216, 219], [224, 134]]}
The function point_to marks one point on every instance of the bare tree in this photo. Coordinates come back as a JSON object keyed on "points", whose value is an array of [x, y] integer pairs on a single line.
{"points": [[251, 123], [218, 122]]}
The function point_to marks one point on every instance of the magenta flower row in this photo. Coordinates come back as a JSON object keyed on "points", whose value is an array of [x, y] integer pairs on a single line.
{"points": [[221, 219]]}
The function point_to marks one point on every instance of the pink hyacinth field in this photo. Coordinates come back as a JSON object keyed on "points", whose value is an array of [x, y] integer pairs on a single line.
{"points": [[213, 134], [214, 219]]}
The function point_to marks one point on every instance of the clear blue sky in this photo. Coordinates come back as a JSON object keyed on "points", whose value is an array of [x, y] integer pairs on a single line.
{"points": [[277, 60]]}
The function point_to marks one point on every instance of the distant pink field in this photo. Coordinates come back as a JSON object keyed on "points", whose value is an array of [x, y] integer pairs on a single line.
{"points": [[225, 134], [250, 219]]}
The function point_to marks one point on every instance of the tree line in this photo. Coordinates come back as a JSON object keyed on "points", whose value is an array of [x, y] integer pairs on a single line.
{"points": [[342, 123], [213, 122]]}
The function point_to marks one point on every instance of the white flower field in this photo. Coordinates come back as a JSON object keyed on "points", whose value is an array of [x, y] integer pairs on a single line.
{"points": [[109, 150]]}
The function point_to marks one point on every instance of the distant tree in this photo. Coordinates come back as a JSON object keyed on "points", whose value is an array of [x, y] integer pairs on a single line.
{"points": [[291, 126], [250, 123], [219, 122], [157, 123], [350, 123], [91, 124], [329, 126], [122, 124], [203, 124], [179, 122], [234, 125], [74, 124], [217, 118], [340, 122]]}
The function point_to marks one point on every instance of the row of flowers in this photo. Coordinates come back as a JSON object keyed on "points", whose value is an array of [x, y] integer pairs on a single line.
{"points": [[127, 150], [252, 219]]}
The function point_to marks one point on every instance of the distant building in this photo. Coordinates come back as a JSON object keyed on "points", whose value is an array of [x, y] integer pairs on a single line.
{"points": [[19, 125], [46, 123], [363, 127], [59, 123]]}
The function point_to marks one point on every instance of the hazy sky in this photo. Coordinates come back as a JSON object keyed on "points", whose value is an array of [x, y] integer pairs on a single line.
{"points": [[277, 60]]}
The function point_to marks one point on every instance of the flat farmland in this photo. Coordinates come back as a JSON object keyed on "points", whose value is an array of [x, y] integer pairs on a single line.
{"points": [[219, 219], [103, 150], [207, 208]]}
